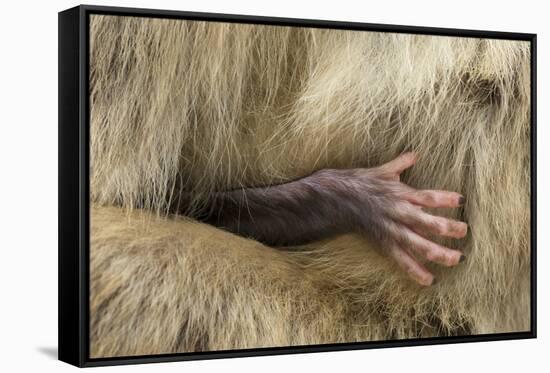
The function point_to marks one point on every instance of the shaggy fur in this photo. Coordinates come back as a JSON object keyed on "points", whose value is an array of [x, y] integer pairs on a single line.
{"points": [[197, 107]]}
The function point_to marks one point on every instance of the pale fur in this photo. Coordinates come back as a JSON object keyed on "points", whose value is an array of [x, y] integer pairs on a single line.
{"points": [[185, 106]]}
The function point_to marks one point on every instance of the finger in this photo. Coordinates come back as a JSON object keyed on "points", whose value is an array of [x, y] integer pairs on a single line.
{"points": [[435, 198], [416, 219], [432, 251], [410, 265], [400, 164]]}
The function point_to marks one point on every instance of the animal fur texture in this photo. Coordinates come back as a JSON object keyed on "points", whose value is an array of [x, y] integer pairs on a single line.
{"points": [[196, 107]]}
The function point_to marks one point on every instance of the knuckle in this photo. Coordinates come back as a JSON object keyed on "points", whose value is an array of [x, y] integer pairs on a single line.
{"points": [[458, 228], [450, 259], [411, 271], [429, 198], [430, 256], [439, 226]]}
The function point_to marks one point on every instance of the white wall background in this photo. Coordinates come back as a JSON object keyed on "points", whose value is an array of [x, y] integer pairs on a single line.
{"points": [[28, 185]]}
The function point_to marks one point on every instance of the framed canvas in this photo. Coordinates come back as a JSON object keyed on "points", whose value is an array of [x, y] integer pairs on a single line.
{"points": [[234, 186]]}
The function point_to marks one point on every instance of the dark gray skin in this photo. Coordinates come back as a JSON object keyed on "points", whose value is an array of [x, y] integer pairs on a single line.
{"points": [[372, 202]]}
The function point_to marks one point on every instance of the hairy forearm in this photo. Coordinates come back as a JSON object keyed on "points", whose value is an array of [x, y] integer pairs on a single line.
{"points": [[293, 213]]}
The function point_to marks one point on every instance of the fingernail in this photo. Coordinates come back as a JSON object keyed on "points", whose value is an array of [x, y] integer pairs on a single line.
{"points": [[462, 200], [462, 258]]}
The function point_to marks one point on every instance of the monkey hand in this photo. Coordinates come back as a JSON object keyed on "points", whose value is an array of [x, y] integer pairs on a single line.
{"points": [[391, 214]]}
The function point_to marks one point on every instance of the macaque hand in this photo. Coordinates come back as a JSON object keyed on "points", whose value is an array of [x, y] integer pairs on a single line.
{"points": [[391, 214]]}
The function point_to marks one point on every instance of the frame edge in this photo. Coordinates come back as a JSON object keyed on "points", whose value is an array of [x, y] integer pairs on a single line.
{"points": [[305, 22], [69, 248]]}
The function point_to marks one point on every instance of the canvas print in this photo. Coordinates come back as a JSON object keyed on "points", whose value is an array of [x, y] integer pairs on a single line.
{"points": [[256, 186]]}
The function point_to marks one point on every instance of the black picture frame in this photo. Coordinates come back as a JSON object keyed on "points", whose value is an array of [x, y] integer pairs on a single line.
{"points": [[74, 185]]}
